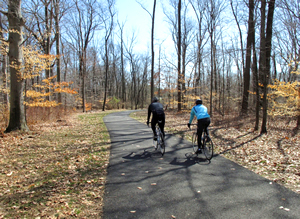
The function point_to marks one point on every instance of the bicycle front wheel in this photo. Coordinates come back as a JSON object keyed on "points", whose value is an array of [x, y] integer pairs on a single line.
{"points": [[195, 141], [161, 144], [208, 148]]}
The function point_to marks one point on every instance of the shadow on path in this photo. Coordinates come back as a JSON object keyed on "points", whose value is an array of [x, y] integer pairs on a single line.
{"points": [[143, 184]]}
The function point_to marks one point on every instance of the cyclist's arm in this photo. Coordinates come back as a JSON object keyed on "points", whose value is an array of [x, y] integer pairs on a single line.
{"points": [[149, 113], [192, 115]]}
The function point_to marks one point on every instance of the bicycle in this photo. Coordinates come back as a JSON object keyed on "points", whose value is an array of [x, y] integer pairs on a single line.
{"points": [[207, 146], [160, 141]]}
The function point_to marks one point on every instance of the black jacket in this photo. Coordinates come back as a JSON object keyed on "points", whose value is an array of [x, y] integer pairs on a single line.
{"points": [[156, 109]]}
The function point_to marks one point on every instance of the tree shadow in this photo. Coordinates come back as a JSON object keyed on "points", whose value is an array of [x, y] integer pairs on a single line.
{"points": [[136, 156], [190, 160], [230, 141]]}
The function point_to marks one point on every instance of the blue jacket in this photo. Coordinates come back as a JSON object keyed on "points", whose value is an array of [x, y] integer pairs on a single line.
{"points": [[199, 111]]}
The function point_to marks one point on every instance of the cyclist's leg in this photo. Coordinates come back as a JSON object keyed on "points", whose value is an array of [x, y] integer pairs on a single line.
{"points": [[200, 128], [153, 123], [162, 125], [207, 123]]}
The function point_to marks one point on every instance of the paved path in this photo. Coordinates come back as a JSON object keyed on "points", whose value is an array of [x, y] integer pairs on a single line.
{"points": [[142, 184]]}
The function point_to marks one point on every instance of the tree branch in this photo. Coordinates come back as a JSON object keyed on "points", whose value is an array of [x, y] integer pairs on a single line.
{"points": [[144, 8], [4, 13]]}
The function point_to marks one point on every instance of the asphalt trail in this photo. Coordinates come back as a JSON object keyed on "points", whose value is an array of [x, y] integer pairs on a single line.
{"points": [[142, 184]]}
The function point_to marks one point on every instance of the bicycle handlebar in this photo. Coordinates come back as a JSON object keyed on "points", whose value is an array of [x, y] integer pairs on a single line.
{"points": [[191, 125]]}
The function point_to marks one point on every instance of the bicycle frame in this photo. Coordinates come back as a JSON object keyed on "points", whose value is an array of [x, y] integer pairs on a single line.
{"points": [[207, 146], [160, 142]]}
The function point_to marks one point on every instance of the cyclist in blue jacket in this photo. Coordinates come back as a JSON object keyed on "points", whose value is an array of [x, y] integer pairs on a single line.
{"points": [[200, 111]]}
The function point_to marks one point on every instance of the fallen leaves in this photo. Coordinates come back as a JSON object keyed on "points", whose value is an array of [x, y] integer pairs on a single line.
{"points": [[57, 174], [275, 155]]}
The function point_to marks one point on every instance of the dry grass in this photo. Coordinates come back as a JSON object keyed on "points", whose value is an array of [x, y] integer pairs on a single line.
{"points": [[275, 155], [57, 170]]}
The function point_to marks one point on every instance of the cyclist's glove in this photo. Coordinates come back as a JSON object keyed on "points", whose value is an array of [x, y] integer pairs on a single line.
{"points": [[189, 125]]}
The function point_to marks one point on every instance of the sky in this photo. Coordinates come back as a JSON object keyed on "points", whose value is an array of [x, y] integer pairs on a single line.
{"points": [[139, 20]]}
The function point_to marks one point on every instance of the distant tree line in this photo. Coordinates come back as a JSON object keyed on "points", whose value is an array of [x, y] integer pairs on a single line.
{"points": [[234, 54]]}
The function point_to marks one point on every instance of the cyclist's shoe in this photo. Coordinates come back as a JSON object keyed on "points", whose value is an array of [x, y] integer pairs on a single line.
{"points": [[199, 151], [207, 138]]}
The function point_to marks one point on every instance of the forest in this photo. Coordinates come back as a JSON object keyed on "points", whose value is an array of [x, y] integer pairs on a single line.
{"points": [[238, 56], [66, 64]]}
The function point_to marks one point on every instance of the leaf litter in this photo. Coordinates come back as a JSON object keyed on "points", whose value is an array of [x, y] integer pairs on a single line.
{"points": [[55, 171], [275, 155]]}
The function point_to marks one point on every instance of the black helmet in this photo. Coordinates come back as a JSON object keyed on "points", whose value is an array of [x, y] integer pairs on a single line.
{"points": [[155, 99], [198, 101]]}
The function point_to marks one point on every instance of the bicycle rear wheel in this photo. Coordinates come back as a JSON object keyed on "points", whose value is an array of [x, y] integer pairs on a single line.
{"points": [[195, 142], [208, 148], [156, 142], [161, 143]]}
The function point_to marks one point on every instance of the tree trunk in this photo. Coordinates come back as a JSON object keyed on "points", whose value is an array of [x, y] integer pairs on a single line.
{"points": [[184, 48], [159, 73], [152, 51], [248, 59], [179, 81], [57, 37], [262, 54], [298, 117], [48, 21], [4, 68], [17, 119], [106, 75], [107, 36], [256, 86], [240, 31], [122, 70], [267, 62], [211, 68], [83, 69]]}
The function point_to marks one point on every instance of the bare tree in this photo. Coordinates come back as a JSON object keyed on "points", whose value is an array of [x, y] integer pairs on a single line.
{"points": [[179, 80], [123, 89], [133, 62], [49, 23], [256, 86], [108, 23], [4, 58], [142, 72], [17, 119], [84, 22], [246, 69], [57, 39], [234, 12], [267, 37], [212, 17], [288, 43], [40, 26], [199, 8], [152, 44], [152, 50]]}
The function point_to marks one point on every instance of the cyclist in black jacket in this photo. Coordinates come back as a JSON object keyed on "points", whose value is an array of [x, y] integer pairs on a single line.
{"points": [[158, 114]]}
